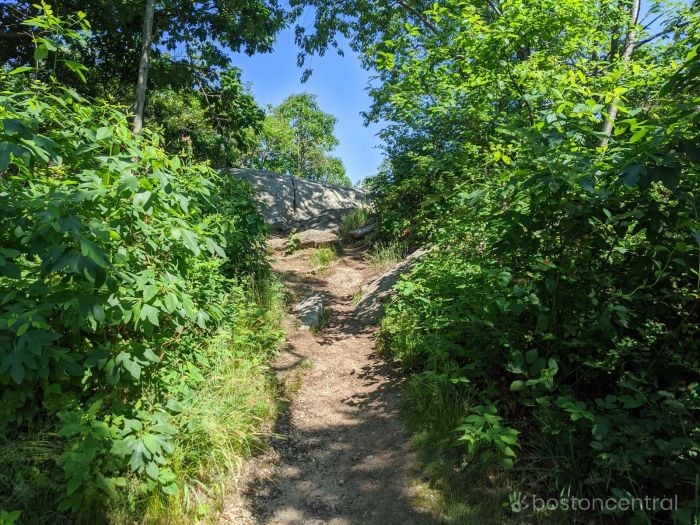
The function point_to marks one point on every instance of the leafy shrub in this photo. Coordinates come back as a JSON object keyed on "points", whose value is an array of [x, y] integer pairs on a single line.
{"points": [[292, 244], [113, 274], [563, 293]]}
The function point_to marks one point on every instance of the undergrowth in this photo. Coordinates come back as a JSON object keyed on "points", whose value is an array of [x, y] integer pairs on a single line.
{"points": [[321, 258], [383, 255], [551, 333], [352, 221], [137, 310], [225, 419]]}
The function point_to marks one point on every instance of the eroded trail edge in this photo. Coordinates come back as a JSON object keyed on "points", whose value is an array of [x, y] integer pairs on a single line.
{"points": [[339, 453]]}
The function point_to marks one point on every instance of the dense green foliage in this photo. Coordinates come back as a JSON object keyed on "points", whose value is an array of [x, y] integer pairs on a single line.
{"points": [[194, 93], [131, 316], [218, 121], [547, 151], [297, 138], [554, 324], [202, 32]]}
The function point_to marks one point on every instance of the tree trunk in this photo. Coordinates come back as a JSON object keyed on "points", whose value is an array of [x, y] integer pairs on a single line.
{"points": [[626, 56], [143, 66]]}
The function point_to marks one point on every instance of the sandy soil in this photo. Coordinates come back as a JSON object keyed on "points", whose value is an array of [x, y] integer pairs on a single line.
{"points": [[338, 454]]}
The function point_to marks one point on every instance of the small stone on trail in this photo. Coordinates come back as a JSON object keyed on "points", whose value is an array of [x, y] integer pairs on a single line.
{"points": [[310, 310]]}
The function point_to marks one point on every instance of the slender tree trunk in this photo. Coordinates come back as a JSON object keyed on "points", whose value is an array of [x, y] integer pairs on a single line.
{"points": [[626, 56], [143, 66]]}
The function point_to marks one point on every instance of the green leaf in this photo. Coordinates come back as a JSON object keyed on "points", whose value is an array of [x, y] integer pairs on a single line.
{"points": [[517, 385], [20, 70], [76, 68], [7, 149], [103, 133], [170, 490], [74, 483], [149, 313], [171, 302], [139, 452], [150, 355], [191, 241], [531, 356], [152, 470], [143, 200], [150, 292], [93, 252], [639, 135], [151, 443], [129, 364], [166, 476], [41, 52], [174, 406]]}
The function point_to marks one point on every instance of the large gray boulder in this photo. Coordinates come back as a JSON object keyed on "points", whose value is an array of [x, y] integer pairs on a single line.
{"points": [[290, 203]]}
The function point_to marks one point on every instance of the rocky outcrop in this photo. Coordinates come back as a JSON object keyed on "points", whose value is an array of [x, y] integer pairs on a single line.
{"points": [[359, 233], [369, 309], [290, 203]]}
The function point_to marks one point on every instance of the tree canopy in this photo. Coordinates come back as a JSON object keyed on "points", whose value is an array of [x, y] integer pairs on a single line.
{"points": [[194, 92], [297, 138]]}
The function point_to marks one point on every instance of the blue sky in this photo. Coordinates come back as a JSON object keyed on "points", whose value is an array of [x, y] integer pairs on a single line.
{"points": [[339, 83]]}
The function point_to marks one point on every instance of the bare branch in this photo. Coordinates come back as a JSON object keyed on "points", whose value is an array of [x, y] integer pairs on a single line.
{"points": [[666, 31], [648, 25]]}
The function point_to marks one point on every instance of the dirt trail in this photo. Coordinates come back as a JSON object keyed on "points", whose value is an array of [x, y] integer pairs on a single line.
{"points": [[339, 455]]}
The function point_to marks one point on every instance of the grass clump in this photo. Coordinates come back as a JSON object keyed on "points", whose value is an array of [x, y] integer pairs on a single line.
{"points": [[321, 258], [383, 255], [459, 490], [353, 220]]}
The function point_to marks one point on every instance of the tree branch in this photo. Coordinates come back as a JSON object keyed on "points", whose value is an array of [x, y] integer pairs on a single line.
{"points": [[494, 7], [420, 15], [669, 29], [15, 35], [626, 56]]}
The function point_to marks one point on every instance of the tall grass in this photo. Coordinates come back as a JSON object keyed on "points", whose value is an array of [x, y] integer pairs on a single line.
{"points": [[225, 420], [384, 255], [353, 220], [461, 491]]}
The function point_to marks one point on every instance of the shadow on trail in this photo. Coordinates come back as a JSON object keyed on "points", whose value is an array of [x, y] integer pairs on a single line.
{"points": [[336, 473], [339, 455]]}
